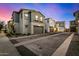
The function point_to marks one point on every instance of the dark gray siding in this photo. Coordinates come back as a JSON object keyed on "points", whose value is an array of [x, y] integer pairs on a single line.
{"points": [[16, 17]]}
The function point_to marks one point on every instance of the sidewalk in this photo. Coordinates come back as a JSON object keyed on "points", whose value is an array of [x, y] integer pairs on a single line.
{"points": [[73, 49], [6, 47], [61, 51]]}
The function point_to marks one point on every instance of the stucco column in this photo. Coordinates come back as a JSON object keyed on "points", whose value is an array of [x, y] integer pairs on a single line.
{"points": [[44, 30], [78, 28], [32, 29]]}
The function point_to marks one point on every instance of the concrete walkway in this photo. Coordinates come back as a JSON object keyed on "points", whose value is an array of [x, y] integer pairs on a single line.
{"points": [[73, 49], [62, 49], [6, 47]]}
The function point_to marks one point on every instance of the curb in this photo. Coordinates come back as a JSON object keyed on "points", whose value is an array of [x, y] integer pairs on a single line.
{"points": [[62, 49]]}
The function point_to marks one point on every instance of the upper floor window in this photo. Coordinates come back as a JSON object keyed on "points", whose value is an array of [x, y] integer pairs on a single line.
{"points": [[72, 23], [26, 15], [36, 17], [57, 25], [61, 24]]}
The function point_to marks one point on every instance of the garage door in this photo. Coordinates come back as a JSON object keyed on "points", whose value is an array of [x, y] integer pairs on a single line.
{"points": [[38, 29]]}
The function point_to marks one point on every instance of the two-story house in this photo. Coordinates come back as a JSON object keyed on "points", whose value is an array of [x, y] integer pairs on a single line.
{"points": [[29, 21], [49, 24], [60, 26], [73, 26]]}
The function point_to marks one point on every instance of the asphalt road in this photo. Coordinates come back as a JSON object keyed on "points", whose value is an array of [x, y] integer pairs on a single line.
{"points": [[43, 46]]}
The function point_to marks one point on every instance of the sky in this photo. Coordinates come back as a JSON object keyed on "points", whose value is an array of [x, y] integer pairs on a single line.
{"points": [[56, 11]]}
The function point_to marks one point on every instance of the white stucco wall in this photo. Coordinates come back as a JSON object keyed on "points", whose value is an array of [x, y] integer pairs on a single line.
{"points": [[61, 29], [47, 26], [16, 27], [23, 23], [49, 22]]}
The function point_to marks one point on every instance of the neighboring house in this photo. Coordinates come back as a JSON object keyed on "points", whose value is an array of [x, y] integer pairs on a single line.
{"points": [[76, 15], [29, 21], [2, 26], [10, 27], [6, 27], [49, 25], [73, 26], [60, 26]]}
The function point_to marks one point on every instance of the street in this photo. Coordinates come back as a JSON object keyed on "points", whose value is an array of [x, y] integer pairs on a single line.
{"points": [[45, 46]]}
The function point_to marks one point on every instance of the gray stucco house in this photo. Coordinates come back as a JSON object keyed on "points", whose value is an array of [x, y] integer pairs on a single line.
{"points": [[28, 21]]}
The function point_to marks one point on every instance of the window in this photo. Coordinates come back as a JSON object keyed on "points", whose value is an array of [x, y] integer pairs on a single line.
{"points": [[61, 24], [50, 22], [41, 19], [26, 25], [26, 15], [36, 17], [57, 25], [73, 22]]}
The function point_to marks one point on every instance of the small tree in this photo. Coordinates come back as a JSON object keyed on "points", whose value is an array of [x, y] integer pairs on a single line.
{"points": [[11, 27], [1, 25]]}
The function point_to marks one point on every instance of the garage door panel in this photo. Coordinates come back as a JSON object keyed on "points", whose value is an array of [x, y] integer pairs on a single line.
{"points": [[38, 29]]}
